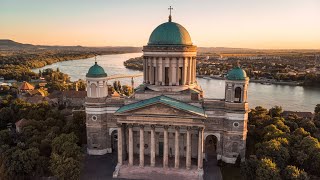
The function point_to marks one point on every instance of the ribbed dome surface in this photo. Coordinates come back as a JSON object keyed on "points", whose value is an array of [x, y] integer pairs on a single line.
{"points": [[237, 74], [170, 33], [96, 71]]}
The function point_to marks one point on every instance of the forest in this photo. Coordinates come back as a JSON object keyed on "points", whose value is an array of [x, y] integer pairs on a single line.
{"points": [[49, 143], [282, 148]]}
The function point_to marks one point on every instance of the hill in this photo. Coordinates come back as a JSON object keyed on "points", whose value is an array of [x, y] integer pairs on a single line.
{"points": [[10, 45]]}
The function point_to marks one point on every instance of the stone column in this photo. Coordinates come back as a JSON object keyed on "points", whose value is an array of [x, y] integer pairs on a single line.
{"points": [[119, 144], [141, 154], [130, 145], [147, 70], [176, 148], [165, 146], [144, 69], [153, 147], [183, 71], [200, 152], [192, 70], [188, 153], [177, 71], [164, 62], [195, 70]]}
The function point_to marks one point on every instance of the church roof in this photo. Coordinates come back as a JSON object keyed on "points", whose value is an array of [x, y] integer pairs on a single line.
{"points": [[26, 86], [237, 74], [170, 33], [96, 71], [164, 100]]}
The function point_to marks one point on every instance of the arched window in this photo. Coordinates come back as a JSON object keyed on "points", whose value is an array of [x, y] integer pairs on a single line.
{"points": [[93, 88], [237, 94]]}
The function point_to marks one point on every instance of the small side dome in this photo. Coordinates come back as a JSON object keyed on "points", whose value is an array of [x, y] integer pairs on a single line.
{"points": [[96, 71], [170, 33], [237, 74]]}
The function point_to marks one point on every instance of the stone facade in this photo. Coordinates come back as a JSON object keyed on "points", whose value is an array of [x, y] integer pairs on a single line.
{"points": [[167, 117]]}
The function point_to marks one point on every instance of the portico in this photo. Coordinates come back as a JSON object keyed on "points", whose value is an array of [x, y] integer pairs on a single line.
{"points": [[165, 134], [162, 130]]}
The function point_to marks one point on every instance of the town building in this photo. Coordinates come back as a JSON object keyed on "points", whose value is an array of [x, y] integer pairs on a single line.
{"points": [[167, 122]]}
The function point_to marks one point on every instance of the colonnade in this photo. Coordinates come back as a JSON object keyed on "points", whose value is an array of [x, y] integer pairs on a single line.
{"points": [[169, 71], [153, 145]]}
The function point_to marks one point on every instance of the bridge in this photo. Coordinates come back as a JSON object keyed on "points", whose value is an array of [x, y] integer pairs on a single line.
{"points": [[121, 76]]}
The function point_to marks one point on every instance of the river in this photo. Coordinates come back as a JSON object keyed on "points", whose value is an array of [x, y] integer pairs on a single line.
{"points": [[293, 98]]}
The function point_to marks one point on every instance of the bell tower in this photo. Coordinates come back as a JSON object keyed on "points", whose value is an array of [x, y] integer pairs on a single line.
{"points": [[97, 92], [96, 82], [236, 90]]}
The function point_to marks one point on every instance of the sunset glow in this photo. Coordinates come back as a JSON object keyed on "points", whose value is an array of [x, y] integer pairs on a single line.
{"points": [[232, 23]]}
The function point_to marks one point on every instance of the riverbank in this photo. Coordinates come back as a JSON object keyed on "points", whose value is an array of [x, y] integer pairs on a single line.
{"points": [[18, 65], [294, 98], [136, 64], [264, 82]]}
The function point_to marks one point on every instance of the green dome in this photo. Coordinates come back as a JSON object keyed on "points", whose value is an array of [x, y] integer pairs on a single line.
{"points": [[96, 71], [170, 33], [237, 74]]}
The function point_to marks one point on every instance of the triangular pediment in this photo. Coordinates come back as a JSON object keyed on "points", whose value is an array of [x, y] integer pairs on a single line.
{"points": [[161, 109], [162, 105]]}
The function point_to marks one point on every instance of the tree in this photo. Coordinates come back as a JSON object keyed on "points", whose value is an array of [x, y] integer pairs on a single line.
{"points": [[65, 160], [317, 109], [307, 152], [276, 111], [127, 90], [275, 150], [317, 113], [65, 168], [249, 167], [259, 116], [20, 162], [279, 122], [5, 137], [78, 126], [272, 132], [267, 170], [294, 173], [6, 116]]}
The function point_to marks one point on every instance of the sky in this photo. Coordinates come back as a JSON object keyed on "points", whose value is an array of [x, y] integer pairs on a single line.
{"points": [[272, 24]]}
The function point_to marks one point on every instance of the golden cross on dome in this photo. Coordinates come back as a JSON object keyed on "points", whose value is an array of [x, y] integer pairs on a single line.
{"points": [[170, 18]]}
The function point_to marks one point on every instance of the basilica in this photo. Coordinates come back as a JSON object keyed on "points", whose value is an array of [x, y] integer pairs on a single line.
{"points": [[167, 122]]}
